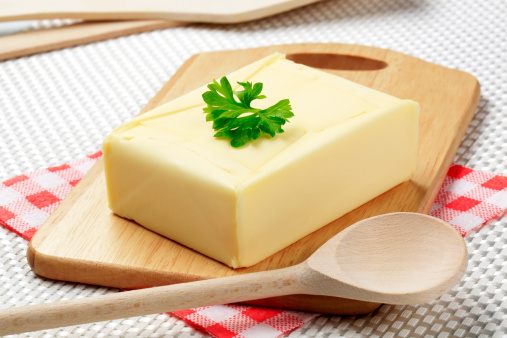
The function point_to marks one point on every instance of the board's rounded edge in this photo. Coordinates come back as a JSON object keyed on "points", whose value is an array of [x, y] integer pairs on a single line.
{"points": [[112, 275], [30, 256], [477, 90]]}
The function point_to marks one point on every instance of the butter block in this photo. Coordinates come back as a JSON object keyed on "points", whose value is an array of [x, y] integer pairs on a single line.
{"points": [[345, 145]]}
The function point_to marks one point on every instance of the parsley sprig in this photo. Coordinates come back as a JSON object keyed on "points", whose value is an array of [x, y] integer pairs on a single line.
{"points": [[238, 120]]}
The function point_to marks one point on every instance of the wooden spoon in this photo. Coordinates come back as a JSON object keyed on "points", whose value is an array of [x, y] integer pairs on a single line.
{"points": [[398, 258]]}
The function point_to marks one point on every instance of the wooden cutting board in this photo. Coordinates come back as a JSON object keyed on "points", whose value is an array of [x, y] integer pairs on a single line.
{"points": [[216, 11], [146, 15], [84, 242], [45, 40]]}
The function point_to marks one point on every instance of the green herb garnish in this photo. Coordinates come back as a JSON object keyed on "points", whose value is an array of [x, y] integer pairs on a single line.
{"points": [[238, 120]]}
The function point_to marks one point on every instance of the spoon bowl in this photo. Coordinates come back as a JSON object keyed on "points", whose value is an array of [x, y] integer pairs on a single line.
{"points": [[399, 258]]}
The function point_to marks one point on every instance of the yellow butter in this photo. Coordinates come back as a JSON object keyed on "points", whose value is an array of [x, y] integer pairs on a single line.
{"points": [[345, 145]]}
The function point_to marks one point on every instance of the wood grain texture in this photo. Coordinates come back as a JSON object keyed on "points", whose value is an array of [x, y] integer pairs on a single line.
{"points": [[217, 11], [84, 242], [45, 40], [147, 301], [395, 258]]}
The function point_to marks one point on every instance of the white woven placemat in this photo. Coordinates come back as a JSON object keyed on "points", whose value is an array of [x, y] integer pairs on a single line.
{"points": [[58, 106]]}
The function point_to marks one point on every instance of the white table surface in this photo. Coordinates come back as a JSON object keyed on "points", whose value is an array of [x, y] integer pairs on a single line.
{"points": [[58, 106]]}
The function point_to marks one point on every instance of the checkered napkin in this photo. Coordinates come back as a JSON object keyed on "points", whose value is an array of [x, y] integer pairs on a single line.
{"points": [[244, 321], [468, 200], [26, 201]]}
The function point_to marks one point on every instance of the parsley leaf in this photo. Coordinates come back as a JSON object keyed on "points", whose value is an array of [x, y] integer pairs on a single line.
{"points": [[237, 120]]}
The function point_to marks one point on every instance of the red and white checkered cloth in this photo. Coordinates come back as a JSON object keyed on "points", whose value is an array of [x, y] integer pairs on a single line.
{"points": [[467, 200], [244, 321], [26, 201]]}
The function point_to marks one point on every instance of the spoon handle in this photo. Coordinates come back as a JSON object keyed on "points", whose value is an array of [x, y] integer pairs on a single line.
{"points": [[151, 300]]}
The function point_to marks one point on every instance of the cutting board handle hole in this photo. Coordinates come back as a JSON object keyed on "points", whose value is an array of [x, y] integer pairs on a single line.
{"points": [[337, 61]]}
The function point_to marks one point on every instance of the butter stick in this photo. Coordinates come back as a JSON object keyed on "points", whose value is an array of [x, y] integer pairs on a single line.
{"points": [[345, 145]]}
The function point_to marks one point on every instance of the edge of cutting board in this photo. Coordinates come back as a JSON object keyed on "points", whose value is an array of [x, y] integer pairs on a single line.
{"points": [[45, 40], [218, 11], [448, 104]]}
